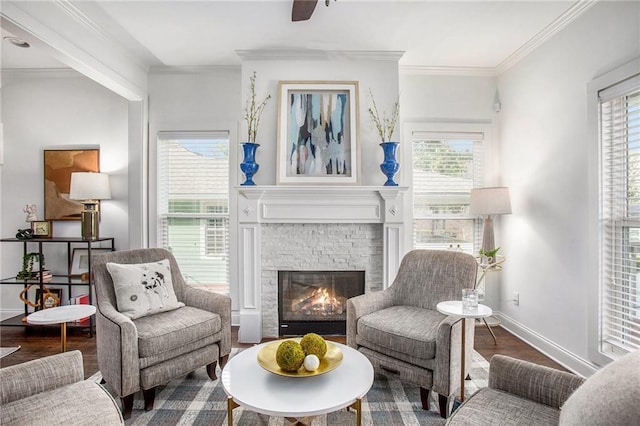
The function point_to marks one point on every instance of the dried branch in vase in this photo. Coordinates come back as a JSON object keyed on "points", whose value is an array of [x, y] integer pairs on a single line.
{"points": [[253, 110], [384, 125]]}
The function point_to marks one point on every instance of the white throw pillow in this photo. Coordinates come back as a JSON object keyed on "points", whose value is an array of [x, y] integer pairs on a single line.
{"points": [[144, 288]]}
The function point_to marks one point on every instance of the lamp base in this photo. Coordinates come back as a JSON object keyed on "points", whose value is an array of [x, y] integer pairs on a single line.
{"points": [[488, 240], [90, 222]]}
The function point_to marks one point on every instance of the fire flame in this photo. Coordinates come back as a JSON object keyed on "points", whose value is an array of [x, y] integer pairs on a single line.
{"points": [[319, 302]]}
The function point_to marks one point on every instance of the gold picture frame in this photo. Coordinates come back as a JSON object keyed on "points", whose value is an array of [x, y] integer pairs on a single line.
{"points": [[318, 133], [42, 228], [52, 297]]}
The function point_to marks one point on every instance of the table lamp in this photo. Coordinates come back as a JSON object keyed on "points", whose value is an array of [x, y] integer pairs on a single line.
{"points": [[488, 202], [90, 188]]}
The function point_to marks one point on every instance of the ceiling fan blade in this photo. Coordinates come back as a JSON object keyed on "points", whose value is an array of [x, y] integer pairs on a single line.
{"points": [[302, 9]]}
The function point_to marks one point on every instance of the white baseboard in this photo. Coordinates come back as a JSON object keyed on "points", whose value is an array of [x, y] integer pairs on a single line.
{"points": [[554, 351], [8, 313], [235, 318]]}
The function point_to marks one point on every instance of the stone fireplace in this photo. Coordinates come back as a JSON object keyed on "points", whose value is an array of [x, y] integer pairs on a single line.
{"points": [[316, 247], [284, 228]]}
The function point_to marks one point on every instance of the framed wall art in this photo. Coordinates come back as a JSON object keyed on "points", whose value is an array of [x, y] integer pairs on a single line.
{"points": [[318, 133], [58, 166], [80, 260]]}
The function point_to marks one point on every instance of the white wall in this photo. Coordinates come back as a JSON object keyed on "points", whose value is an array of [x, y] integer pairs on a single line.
{"points": [[544, 162], [447, 97], [50, 110]]}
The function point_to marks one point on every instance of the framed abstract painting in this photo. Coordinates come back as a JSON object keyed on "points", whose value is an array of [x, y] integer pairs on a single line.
{"points": [[318, 133], [58, 166]]}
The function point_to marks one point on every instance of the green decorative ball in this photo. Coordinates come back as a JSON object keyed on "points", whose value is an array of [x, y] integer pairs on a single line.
{"points": [[289, 356], [314, 344]]}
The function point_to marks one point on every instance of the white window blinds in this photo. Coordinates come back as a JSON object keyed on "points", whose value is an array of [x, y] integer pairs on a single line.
{"points": [[193, 204], [446, 166], [620, 217]]}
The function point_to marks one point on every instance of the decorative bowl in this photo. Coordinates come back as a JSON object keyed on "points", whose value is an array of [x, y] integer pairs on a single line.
{"points": [[267, 360]]}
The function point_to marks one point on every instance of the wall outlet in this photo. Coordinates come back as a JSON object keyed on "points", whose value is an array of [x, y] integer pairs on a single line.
{"points": [[516, 298]]}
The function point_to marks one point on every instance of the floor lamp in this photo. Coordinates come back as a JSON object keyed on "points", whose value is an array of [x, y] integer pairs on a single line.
{"points": [[90, 188], [487, 202]]}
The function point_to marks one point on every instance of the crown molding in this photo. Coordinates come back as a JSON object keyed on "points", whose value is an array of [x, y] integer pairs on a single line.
{"points": [[576, 9], [204, 69], [41, 72], [455, 71], [67, 7], [318, 55]]}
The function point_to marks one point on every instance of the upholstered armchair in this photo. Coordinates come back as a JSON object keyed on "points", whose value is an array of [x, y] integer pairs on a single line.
{"points": [[142, 353], [403, 335], [524, 393], [52, 391]]}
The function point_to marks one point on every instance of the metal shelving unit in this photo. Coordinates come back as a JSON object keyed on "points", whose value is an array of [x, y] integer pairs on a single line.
{"points": [[57, 280]]}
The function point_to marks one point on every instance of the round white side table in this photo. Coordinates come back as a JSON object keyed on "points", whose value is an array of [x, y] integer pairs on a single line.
{"points": [[456, 309], [61, 315]]}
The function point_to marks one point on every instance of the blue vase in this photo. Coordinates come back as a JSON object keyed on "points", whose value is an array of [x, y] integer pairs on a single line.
{"points": [[390, 166], [248, 165]]}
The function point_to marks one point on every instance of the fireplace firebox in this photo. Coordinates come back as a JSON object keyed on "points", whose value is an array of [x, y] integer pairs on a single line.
{"points": [[316, 301]]}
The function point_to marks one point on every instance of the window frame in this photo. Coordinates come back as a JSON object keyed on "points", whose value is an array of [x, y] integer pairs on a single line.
{"points": [[595, 207], [155, 199], [459, 128]]}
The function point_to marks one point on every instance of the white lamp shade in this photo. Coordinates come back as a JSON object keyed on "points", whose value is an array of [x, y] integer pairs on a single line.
{"points": [[488, 201], [89, 186]]}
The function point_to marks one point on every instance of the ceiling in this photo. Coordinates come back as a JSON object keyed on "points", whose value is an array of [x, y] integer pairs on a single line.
{"points": [[477, 34]]}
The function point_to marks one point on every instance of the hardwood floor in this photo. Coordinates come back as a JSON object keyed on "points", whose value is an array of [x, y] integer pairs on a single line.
{"points": [[508, 344], [43, 341]]}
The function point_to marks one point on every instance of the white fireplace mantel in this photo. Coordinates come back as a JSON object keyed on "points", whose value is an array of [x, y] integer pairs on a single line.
{"points": [[309, 204], [320, 204]]}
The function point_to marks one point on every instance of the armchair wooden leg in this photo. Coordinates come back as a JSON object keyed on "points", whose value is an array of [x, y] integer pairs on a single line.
{"points": [[149, 396], [127, 406], [424, 398], [443, 402], [223, 361], [211, 370]]}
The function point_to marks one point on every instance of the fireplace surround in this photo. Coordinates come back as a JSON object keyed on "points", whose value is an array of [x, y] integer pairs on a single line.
{"points": [[266, 212]]}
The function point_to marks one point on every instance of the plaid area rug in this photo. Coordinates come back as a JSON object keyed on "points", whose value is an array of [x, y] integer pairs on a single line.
{"points": [[196, 400]]}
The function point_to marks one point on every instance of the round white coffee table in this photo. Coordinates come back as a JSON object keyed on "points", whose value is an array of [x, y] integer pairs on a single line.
{"points": [[455, 308], [249, 385], [61, 315]]}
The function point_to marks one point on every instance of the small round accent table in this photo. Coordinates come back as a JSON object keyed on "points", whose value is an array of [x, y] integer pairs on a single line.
{"points": [[298, 399], [61, 315], [455, 308]]}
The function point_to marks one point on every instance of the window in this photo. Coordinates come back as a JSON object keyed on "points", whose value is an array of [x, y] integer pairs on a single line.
{"points": [[446, 166], [619, 304], [193, 205]]}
